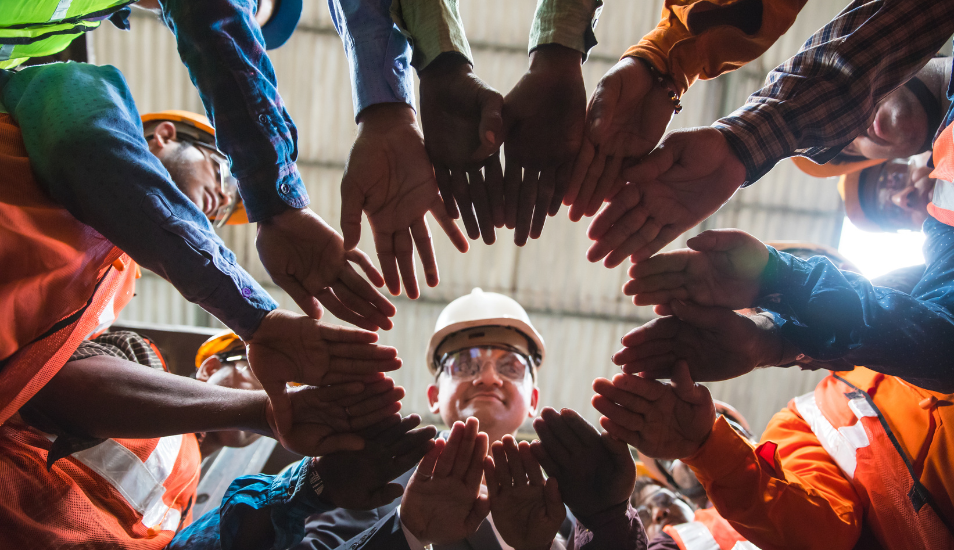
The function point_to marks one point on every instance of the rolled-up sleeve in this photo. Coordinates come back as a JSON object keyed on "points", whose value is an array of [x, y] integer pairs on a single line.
{"points": [[222, 46]]}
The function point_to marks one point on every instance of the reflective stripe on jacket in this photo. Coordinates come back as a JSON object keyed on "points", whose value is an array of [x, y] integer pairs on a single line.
{"points": [[942, 203], [709, 531], [59, 277]]}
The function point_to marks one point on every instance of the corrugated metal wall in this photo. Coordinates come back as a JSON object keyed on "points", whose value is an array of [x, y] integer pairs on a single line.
{"points": [[577, 306]]}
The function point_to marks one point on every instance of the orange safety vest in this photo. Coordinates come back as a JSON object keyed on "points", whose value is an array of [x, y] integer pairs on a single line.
{"points": [[123, 493], [942, 202], [709, 531], [59, 282], [846, 412]]}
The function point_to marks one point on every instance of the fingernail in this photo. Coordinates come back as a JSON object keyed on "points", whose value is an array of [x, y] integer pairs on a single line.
{"points": [[491, 137]]}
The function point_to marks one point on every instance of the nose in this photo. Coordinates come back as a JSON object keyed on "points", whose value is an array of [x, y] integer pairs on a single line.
{"points": [[488, 375], [905, 198], [660, 515]]}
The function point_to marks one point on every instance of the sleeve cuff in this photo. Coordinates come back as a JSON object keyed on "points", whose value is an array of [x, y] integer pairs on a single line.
{"points": [[723, 454], [759, 137], [432, 28], [265, 197], [412, 541], [569, 23]]}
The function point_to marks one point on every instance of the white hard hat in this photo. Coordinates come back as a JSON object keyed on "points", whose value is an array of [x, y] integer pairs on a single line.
{"points": [[483, 309]]}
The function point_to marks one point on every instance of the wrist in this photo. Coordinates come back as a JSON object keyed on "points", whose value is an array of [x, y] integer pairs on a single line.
{"points": [[556, 58], [383, 116], [445, 65]]}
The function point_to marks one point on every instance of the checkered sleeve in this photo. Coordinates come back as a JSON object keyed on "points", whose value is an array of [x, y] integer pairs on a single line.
{"points": [[816, 102]]}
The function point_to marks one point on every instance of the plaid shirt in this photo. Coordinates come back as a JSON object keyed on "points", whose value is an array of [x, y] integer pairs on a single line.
{"points": [[222, 46], [817, 102]]}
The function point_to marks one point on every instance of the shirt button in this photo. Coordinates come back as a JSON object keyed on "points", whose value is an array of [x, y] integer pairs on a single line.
{"points": [[263, 119], [284, 188], [246, 291]]}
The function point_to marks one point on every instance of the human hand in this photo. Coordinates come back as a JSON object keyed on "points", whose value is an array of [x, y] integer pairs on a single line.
{"points": [[326, 419], [596, 472], [661, 420], [361, 480], [389, 177], [307, 258], [543, 120], [442, 502], [721, 267], [463, 130], [689, 176], [626, 117], [527, 510], [294, 348], [717, 343]]}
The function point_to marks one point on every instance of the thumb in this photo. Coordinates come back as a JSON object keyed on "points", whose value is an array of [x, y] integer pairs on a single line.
{"points": [[699, 316], [491, 125], [352, 202], [685, 388], [602, 109], [309, 305], [719, 240], [477, 514], [659, 161]]}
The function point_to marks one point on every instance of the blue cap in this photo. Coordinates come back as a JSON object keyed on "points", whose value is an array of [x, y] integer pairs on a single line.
{"points": [[279, 28]]}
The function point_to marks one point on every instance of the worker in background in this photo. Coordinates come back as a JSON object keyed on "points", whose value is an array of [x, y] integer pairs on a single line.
{"points": [[77, 276], [658, 506], [485, 357], [860, 462], [107, 453], [76, 119]]}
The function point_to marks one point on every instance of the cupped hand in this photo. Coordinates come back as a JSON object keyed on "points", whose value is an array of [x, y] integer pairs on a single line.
{"points": [[717, 343], [361, 480], [689, 176], [595, 472], [307, 259], [626, 118], [666, 421], [442, 503], [463, 130], [544, 115], [527, 509], [294, 348], [721, 267], [389, 177]]}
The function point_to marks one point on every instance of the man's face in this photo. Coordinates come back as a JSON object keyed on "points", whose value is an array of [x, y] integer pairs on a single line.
{"points": [[659, 507], [897, 129], [484, 384], [196, 170], [897, 193]]}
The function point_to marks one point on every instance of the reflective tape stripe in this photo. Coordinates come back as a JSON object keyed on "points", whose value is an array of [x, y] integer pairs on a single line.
{"points": [[61, 9], [140, 483], [744, 545], [943, 195], [841, 444], [696, 536]]}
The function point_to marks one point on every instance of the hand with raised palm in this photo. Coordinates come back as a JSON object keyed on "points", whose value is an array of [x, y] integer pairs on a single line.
{"points": [[527, 509], [721, 267], [307, 259], [661, 420], [544, 115], [389, 178], [463, 130], [442, 503], [626, 118], [689, 176]]}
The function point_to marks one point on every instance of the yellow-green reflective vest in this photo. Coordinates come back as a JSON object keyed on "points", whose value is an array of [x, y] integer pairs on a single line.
{"points": [[33, 28]]}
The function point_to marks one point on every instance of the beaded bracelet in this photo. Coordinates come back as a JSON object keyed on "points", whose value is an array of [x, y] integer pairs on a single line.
{"points": [[661, 80]]}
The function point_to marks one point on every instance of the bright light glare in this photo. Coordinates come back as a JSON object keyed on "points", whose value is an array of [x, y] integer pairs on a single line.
{"points": [[878, 253]]}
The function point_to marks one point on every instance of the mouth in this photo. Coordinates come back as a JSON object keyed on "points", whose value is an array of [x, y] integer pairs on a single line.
{"points": [[211, 202], [486, 397]]}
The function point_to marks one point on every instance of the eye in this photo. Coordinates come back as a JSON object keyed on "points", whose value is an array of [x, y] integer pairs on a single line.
{"points": [[467, 366]]}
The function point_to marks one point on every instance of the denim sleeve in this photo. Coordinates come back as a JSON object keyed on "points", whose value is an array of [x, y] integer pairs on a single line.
{"points": [[85, 141], [222, 46], [833, 315], [379, 55], [289, 496]]}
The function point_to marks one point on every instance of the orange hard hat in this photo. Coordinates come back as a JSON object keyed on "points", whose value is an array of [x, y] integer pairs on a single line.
{"points": [[219, 343]]}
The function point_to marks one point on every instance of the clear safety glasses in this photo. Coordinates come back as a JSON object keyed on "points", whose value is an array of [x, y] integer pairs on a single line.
{"points": [[227, 183], [466, 364]]}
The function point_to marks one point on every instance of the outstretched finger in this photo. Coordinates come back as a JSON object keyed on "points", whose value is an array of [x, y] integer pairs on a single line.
{"points": [[517, 473], [495, 188], [490, 476], [629, 436], [384, 244], [666, 235], [526, 201], [563, 173], [540, 453], [453, 232], [554, 448], [421, 234], [446, 461], [425, 468], [685, 388], [352, 204], [373, 317], [575, 183], [404, 252], [485, 219], [604, 184], [309, 304], [343, 312], [357, 256], [546, 187], [465, 203], [530, 465], [627, 199], [630, 401], [644, 235], [620, 415], [513, 177], [447, 194]]}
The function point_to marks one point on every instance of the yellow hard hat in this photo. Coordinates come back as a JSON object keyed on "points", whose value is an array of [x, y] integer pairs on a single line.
{"points": [[805, 250], [830, 168], [199, 129], [216, 345], [484, 309]]}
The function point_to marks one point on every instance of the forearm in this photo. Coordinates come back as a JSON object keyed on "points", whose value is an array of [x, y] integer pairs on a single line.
{"points": [[831, 315], [819, 100], [705, 39], [569, 23], [106, 397], [379, 55], [222, 46], [759, 497], [616, 528]]}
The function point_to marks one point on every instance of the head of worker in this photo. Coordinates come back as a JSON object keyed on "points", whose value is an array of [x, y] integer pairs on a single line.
{"points": [[485, 355], [889, 196], [658, 506], [679, 477], [277, 19], [184, 143], [222, 361]]}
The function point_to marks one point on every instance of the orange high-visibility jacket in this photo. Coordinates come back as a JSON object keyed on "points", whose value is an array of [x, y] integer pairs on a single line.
{"points": [[59, 282], [708, 532], [864, 454], [942, 202], [703, 39]]}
